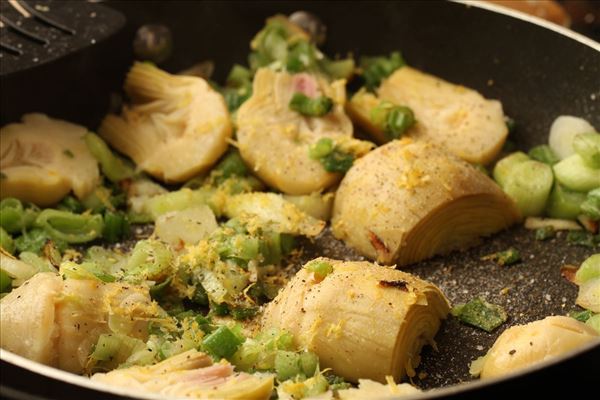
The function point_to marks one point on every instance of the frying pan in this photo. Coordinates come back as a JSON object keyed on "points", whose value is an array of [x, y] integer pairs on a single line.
{"points": [[537, 70]]}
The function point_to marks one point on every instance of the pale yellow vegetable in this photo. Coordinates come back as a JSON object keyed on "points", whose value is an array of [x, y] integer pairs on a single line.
{"points": [[187, 226], [370, 390], [453, 116], [359, 109], [191, 374], [274, 140], [362, 320], [271, 210], [57, 322], [409, 200], [588, 296], [316, 205], [563, 132], [18, 270], [521, 346], [176, 128], [42, 159]]}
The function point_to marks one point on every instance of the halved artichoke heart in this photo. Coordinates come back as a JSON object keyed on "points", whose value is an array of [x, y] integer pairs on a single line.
{"points": [[362, 320], [177, 126], [409, 200], [191, 374], [274, 140], [57, 322], [42, 159], [521, 346], [453, 116]]}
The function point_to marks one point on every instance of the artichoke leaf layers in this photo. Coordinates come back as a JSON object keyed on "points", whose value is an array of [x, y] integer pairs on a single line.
{"points": [[362, 320]]}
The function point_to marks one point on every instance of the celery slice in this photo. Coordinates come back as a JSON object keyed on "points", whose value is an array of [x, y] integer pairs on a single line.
{"points": [[504, 167], [528, 184], [564, 203]]}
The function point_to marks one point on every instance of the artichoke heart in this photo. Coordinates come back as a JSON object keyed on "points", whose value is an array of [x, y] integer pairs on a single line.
{"points": [[274, 140], [409, 200], [176, 128], [42, 159], [57, 322], [453, 116], [362, 320], [521, 346], [191, 374]]}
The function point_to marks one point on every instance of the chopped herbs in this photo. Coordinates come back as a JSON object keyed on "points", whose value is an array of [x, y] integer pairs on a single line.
{"points": [[243, 313], [311, 107], [507, 257], [544, 154], [332, 159], [376, 69], [581, 316], [320, 269], [480, 314], [545, 233], [392, 119], [583, 238]]}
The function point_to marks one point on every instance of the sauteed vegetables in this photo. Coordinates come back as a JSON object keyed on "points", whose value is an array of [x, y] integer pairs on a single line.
{"points": [[172, 266]]}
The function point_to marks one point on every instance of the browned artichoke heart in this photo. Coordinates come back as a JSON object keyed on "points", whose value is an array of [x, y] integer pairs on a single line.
{"points": [[177, 126], [191, 374], [274, 140], [362, 320], [57, 322], [409, 200], [453, 116], [42, 159]]}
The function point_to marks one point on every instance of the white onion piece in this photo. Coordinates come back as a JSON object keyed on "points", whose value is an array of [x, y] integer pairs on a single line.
{"points": [[563, 131]]}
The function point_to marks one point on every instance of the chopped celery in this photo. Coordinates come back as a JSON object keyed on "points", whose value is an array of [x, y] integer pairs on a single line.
{"points": [[581, 316], [321, 148], [6, 241], [587, 145], [287, 365], [589, 269], [301, 57], [222, 343], [177, 200], [258, 354], [33, 240], [99, 200], [309, 362], [111, 350], [338, 69], [113, 167], [376, 69], [573, 173], [393, 120], [528, 184], [507, 257], [481, 314], [337, 161], [312, 107], [564, 203], [149, 260], [5, 282], [591, 205], [230, 165], [16, 216], [72, 228], [544, 154], [594, 322], [504, 167], [238, 76], [319, 268], [41, 264]]}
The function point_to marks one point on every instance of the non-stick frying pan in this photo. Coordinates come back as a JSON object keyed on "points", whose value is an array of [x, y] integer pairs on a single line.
{"points": [[538, 72]]}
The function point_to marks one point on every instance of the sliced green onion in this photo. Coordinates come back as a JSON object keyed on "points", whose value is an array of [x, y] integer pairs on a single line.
{"points": [[587, 145], [392, 119], [508, 257], [544, 154], [312, 107], [301, 57], [33, 240], [504, 167], [376, 69], [113, 167], [480, 314], [322, 148], [338, 69], [16, 216], [72, 228], [337, 162], [116, 226], [230, 165], [574, 174], [320, 269], [70, 203], [222, 343], [6, 241], [581, 316]]}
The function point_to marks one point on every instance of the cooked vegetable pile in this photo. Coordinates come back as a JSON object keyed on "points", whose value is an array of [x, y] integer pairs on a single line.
{"points": [[162, 254]]}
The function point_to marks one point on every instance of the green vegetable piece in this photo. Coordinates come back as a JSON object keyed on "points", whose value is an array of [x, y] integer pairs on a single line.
{"points": [[315, 386], [480, 314], [393, 120], [507, 257], [15, 216], [287, 365], [591, 205], [205, 323], [587, 145], [72, 228], [544, 233], [116, 226], [309, 362], [594, 322], [529, 184], [222, 343], [33, 240], [219, 310], [113, 167], [376, 69], [322, 148], [337, 382], [301, 57], [564, 203], [583, 238], [581, 316], [5, 282], [41, 264], [573, 173], [200, 296], [6, 241], [545, 154], [504, 167], [231, 165], [85, 270], [337, 162], [70, 203], [243, 313], [149, 260], [157, 291], [238, 76], [312, 107], [511, 124], [589, 269], [320, 269], [339, 69]]}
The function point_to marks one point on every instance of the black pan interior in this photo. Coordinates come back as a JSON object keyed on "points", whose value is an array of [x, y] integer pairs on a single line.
{"points": [[538, 74]]}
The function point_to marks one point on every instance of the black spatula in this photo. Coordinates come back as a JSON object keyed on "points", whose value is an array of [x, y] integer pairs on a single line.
{"points": [[33, 33]]}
